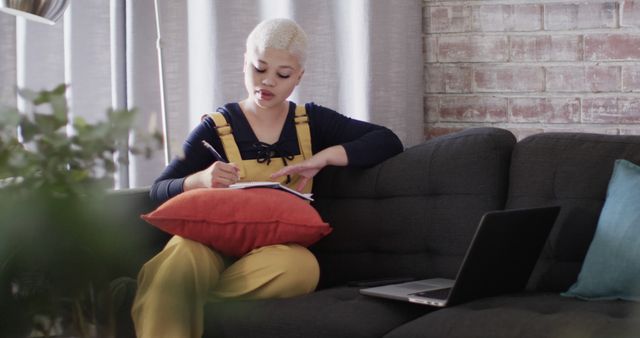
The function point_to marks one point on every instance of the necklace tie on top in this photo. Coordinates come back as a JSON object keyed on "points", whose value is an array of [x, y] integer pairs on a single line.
{"points": [[266, 151]]}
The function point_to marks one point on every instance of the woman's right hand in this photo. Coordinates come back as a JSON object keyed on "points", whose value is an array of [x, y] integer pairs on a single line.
{"points": [[217, 175]]}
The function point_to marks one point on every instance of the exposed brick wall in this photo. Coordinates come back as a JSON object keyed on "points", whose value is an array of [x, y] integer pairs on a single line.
{"points": [[532, 66]]}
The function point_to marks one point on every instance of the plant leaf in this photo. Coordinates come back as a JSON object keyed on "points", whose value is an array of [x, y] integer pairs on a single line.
{"points": [[48, 124], [60, 109], [28, 129], [9, 118], [27, 94]]}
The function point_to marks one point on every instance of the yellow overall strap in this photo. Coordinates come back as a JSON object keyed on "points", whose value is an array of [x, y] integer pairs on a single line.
{"points": [[303, 131], [228, 141]]}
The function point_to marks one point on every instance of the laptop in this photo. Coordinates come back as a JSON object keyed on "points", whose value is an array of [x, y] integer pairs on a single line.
{"points": [[502, 254]]}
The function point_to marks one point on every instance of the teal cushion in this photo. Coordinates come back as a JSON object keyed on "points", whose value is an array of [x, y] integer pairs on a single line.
{"points": [[611, 269]]}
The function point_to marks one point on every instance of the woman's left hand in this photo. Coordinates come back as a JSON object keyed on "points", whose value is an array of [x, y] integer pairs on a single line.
{"points": [[335, 155], [306, 170]]}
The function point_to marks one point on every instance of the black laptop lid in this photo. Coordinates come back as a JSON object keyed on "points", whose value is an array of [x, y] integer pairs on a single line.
{"points": [[503, 253]]}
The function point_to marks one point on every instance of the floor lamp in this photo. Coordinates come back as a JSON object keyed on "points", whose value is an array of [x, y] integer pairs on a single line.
{"points": [[163, 99]]}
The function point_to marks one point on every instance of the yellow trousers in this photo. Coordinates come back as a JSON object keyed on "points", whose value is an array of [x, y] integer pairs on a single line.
{"points": [[174, 285]]}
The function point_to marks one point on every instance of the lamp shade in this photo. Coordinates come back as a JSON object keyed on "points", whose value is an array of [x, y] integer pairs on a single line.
{"points": [[44, 11]]}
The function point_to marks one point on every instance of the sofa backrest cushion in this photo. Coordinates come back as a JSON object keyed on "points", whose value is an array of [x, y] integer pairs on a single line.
{"points": [[571, 170], [413, 215]]}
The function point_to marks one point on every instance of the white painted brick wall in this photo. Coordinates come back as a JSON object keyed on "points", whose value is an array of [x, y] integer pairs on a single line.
{"points": [[532, 66]]}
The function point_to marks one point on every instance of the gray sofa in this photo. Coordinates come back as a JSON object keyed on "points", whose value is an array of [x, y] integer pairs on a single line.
{"points": [[414, 216]]}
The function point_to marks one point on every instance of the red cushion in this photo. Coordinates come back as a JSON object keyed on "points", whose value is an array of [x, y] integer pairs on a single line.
{"points": [[235, 222]]}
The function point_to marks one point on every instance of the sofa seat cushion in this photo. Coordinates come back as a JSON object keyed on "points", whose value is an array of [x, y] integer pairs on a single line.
{"points": [[524, 315], [336, 312]]}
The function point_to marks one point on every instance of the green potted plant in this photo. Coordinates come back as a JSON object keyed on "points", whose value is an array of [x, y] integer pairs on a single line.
{"points": [[59, 248]]}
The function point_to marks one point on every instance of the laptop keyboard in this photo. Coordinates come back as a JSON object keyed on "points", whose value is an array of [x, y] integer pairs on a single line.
{"points": [[435, 294]]}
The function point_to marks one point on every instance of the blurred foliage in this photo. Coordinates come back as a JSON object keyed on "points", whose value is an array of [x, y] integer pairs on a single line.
{"points": [[59, 247]]}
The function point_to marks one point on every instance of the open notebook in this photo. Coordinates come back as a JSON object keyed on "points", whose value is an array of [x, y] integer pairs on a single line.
{"points": [[272, 185]]}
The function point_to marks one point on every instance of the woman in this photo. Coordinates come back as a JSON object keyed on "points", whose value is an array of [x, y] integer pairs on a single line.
{"points": [[263, 137]]}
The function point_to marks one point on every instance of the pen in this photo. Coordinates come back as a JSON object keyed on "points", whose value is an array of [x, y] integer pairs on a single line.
{"points": [[213, 151]]}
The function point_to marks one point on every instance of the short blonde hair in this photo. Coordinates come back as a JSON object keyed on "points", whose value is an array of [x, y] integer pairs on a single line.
{"points": [[282, 34]]}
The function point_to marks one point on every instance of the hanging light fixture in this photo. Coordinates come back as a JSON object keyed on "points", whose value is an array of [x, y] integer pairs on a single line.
{"points": [[44, 11]]}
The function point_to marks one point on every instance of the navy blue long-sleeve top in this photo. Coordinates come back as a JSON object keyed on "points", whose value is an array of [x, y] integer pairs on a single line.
{"points": [[366, 144]]}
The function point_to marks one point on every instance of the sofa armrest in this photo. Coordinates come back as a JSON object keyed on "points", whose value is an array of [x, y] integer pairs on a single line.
{"points": [[127, 205]]}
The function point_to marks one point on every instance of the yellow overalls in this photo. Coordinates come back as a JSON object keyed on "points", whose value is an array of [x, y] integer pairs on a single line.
{"points": [[252, 170], [175, 284]]}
